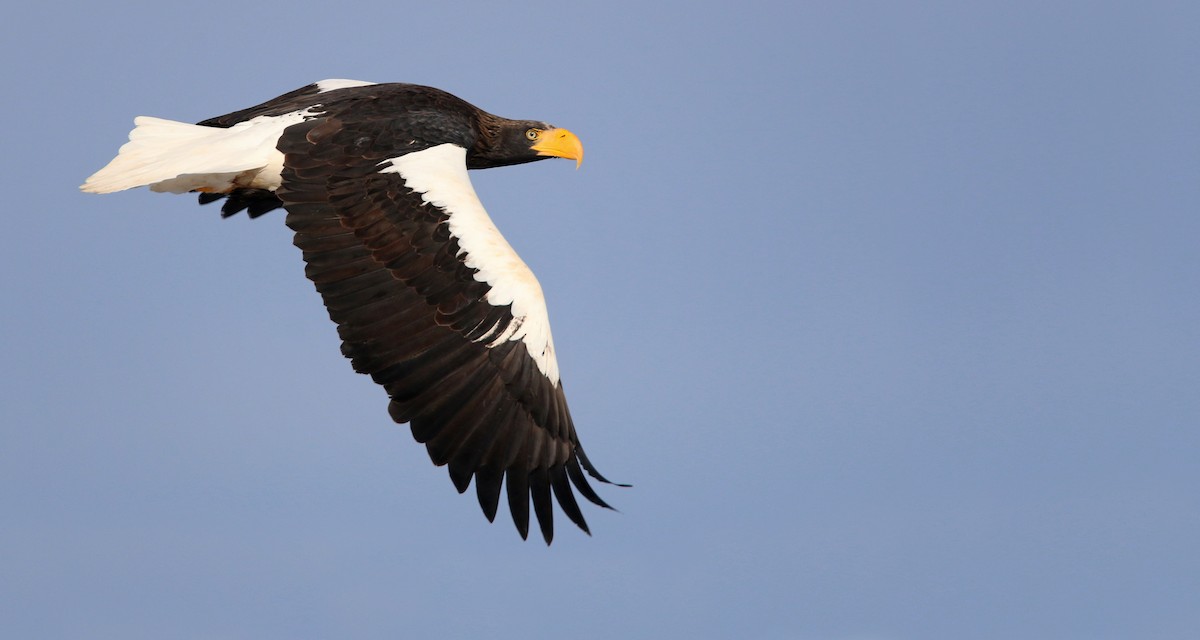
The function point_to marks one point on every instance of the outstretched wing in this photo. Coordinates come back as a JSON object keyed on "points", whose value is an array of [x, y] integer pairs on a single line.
{"points": [[436, 307]]}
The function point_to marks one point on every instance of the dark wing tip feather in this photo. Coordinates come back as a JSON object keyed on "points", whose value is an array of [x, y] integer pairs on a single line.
{"points": [[566, 498], [517, 484], [592, 471], [487, 489], [539, 486], [460, 476], [581, 483]]}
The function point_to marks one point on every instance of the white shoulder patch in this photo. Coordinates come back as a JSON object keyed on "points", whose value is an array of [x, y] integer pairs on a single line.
{"points": [[439, 174], [339, 83]]}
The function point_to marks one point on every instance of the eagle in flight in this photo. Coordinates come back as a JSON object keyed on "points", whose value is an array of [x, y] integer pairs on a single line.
{"points": [[428, 297]]}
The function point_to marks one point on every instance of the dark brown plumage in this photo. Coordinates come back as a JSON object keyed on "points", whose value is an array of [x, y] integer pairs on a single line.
{"points": [[396, 279]]}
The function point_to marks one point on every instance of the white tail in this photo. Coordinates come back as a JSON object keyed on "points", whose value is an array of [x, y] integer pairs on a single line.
{"points": [[178, 157]]}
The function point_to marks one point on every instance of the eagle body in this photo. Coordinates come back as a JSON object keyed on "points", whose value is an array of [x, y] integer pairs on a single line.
{"points": [[429, 298]]}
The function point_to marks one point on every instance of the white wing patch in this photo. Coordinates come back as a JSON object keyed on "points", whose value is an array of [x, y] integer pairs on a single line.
{"points": [[339, 83], [439, 174]]}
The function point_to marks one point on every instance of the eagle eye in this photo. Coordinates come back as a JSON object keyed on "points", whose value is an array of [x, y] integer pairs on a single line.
{"points": [[533, 134]]}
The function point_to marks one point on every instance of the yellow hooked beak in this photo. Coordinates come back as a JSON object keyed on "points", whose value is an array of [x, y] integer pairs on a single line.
{"points": [[560, 143]]}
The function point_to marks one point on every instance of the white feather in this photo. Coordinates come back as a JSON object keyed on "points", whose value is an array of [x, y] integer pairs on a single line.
{"points": [[339, 83], [178, 157], [439, 174]]}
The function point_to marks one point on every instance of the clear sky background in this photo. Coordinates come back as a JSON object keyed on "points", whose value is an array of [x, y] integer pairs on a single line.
{"points": [[888, 311]]}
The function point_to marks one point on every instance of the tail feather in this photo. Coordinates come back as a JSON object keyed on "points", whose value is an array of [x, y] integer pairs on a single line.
{"points": [[178, 157]]}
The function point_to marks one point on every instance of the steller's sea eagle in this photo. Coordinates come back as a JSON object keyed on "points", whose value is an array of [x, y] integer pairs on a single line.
{"points": [[428, 297]]}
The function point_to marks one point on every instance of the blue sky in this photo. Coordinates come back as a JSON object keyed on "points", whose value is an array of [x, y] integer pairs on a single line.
{"points": [[888, 312]]}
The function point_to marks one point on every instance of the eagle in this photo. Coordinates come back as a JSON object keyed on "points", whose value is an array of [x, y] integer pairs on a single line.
{"points": [[429, 298]]}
